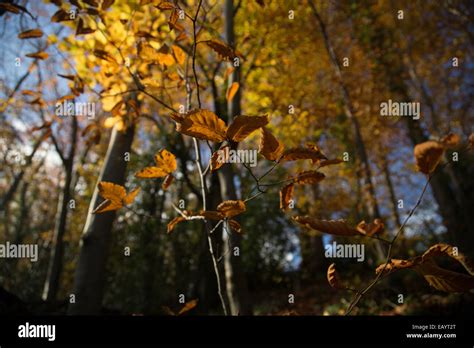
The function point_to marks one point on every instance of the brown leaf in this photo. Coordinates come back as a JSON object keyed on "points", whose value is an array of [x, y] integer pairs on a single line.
{"points": [[224, 51], [242, 126], [428, 155], [333, 277], [38, 55], [232, 90], [9, 7], [30, 34], [61, 16], [202, 124], [451, 140], [447, 250], [303, 153], [222, 154], [371, 229], [395, 265], [329, 162], [235, 226], [335, 227], [165, 5], [444, 280], [172, 224], [211, 215], [309, 177], [106, 4], [82, 30], [286, 195], [167, 182], [270, 147], [231, 208], [471, 140]]}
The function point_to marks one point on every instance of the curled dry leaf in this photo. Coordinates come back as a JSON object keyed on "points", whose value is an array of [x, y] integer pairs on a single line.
{"points": [[270, 147], [242, 126], [428, 155], [231, 208], [115, 197], [329, 162], [451, 140], [224, 51], [333, 277], [165, 165], [335, 227], [314, 154], [439, 278], [202, 124], [371, 229], [286, 195], [309, 177], [30, 34], [235, 226]]}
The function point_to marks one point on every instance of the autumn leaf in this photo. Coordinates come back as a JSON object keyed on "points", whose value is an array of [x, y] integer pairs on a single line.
{"points": [[38, 55], [202, 124], [428, 155], [165, 5], [333, 277], [231, 208], [9, 7], [231, 91], [444, 280], [370, 229], [314, 154], [82, 30], [167, 182], [286, 195], [106, 4], [394, 265], [211, 215], [115, 197], [165, 165], [224, 51], [242, 126], [30, 34], [61, 16], [335, 227], [441, 249], [188, 306], [270, 147], [329, 162], [309, 177], [451, 140], [179, 54], [235, 226], [221, 154], [172, 224]]}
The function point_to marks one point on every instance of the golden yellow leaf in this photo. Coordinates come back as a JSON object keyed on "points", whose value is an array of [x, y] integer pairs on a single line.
{"points": [[231, 208], [115, 197], [242, 126], [29, 34], [179, 54], [232, 90], [165, 165], [428, 155], [270, 147], [202, 124], [335, 227], [286, 195]]}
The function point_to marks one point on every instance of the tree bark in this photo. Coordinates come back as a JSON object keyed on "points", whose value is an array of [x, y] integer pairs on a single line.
{"points": [[89, 278]]}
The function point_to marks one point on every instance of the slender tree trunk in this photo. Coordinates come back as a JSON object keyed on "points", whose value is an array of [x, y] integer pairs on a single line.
{"points": [[53, 277], [90, 275], [236, 282]]}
